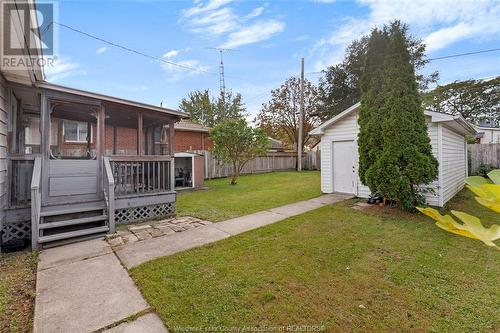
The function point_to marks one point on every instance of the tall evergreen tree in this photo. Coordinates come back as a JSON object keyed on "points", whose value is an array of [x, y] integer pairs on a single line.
{"points": [[339, 87], [406, 159], [369, 137]]}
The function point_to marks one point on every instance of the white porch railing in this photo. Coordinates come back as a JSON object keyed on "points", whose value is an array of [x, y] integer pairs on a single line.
{"points": [[109, 193]]}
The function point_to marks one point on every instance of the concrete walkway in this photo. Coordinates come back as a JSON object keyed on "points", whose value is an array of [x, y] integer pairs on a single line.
{"points": [[134, 254], [83, 287]]}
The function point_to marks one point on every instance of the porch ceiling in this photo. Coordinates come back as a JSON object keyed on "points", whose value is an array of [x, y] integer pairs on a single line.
{"points": [[75, 104], [109, 100]]}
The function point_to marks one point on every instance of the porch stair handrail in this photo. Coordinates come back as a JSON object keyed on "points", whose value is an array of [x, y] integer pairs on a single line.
{"points": [[109, 193], [36, 202]]}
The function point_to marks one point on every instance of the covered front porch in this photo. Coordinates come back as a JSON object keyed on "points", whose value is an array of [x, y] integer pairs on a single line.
{"points": [[81, 162]]}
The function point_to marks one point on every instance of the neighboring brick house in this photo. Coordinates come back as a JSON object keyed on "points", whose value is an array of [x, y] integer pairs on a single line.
{"points": [[191, 137]]}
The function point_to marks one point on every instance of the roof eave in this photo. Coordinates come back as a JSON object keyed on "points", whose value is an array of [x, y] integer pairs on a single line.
{"points": [[54, 87]]}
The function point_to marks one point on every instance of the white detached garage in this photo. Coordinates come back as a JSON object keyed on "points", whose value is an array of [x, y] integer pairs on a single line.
{"points": [[339, 154]]}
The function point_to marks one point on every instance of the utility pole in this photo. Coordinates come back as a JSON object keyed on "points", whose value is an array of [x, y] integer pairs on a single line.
{"points": [[301, 117]]}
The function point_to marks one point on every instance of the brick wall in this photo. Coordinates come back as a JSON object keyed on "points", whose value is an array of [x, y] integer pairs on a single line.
{"points": [[126, 141], [186, 141]]}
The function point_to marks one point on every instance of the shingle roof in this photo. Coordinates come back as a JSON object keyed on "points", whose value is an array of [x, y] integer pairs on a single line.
{"points": [[185, 125]]}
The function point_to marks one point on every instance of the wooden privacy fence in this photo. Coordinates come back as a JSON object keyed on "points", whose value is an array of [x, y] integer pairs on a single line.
{"points": [[277, 161], [487, 154]]}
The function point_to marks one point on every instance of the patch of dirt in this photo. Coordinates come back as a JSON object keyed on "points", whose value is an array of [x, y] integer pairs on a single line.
{"points": [[17, 291]]}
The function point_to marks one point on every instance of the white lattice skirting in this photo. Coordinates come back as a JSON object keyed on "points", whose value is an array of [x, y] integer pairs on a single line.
{"points": [[17, 230], [134, 214]]}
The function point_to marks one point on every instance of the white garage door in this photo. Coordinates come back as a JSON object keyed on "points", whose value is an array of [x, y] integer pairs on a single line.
{"points": [[344, 167]]}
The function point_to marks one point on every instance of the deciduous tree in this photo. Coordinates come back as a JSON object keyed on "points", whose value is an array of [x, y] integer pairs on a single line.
{"points": [[279, 117], [208, 111], [472, 99], [237, 143]]}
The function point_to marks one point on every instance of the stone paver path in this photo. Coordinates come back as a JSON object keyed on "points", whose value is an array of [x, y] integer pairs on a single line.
{"points": [[128, 234], [134, 254]]}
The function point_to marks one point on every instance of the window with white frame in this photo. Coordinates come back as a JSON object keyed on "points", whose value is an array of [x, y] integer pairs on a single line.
{"points": [[75, 131]]}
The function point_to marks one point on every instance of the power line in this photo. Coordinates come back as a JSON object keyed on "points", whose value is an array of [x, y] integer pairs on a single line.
{"points": [[463, 54], [129, 49], [437, 58]]}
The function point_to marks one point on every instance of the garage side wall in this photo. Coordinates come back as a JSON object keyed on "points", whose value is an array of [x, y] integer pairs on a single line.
{"points": [[432, 198], [454, 163]]}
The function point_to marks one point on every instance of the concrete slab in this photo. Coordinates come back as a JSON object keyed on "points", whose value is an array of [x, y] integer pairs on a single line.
{"points": [[149, 323], [135, 254], [297, 208], [249, 222], [73, 252], [84, 296], [331, 198]]}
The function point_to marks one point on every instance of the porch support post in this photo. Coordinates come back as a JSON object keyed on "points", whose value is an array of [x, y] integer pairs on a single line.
{"points": [[114, 139], [140, 141], [44, 144], [171, 153], [153, 145], [171, 137], [100, 146], [89, 137]]}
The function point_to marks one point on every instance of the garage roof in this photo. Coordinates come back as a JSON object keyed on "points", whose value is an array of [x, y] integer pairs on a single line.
{"points": [[457, 122]]}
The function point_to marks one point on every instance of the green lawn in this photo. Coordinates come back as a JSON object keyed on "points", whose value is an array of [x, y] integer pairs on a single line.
{"points": [[372, 270], [253, 193], [17, 291]]}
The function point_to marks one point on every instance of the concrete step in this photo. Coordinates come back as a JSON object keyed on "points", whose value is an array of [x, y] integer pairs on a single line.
{"points": [[72, 234], [66, 223]]}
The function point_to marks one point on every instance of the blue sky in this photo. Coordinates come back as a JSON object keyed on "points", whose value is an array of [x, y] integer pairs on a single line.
{"points": [[269, 38]]}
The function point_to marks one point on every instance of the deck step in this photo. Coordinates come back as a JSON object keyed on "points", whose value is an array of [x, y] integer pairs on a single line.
{"points": [[71, 234], [72, 208], [66, 223]]}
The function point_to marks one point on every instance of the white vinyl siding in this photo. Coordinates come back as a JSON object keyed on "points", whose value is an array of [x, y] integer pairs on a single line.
{"points": [[453, 163], [344, 130], [432, 198], [452, 158]]}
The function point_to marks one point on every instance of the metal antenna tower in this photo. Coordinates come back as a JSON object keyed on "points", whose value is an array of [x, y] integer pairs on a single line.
{"points": [[222, 81]]}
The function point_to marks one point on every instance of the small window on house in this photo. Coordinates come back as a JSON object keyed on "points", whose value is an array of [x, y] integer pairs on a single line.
{"points": [[75, 131]]}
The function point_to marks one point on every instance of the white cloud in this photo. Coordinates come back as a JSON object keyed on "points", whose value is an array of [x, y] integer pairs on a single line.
{"points": [[200, 8], [255, 12], [183, 67], [257, 32], [62, 68], [101, 50], [217, 19], [439, 22], [171, 54]]}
